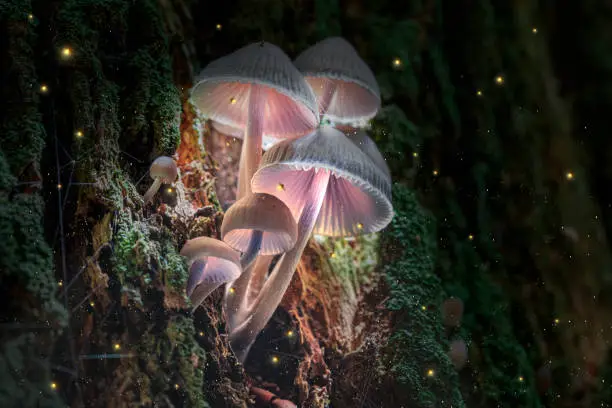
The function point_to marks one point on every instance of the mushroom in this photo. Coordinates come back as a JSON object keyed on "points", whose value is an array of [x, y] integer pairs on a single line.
{"points": [[211, 264], [259, 224], [333, 189], [458, 353], [346, 89], [258, 90], [163, 170]]}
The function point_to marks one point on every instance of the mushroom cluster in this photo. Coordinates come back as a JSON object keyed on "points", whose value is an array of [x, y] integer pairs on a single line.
{"points": [[313, 178]]}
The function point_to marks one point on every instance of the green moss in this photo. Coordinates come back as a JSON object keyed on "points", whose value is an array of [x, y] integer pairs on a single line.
{"points": [[170, 367], [133, 248], [144, 253], [416, 345], [173, 265], [153, 104], [189, 358], [350, 261]]}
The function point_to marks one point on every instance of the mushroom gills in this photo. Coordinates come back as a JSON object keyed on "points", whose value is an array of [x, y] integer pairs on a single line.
{"points": [[256, 316], [152, 190], [252, 250], [204, 278]]}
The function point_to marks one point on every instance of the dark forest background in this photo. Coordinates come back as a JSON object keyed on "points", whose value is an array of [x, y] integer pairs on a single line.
{"points": [[495, 124]]}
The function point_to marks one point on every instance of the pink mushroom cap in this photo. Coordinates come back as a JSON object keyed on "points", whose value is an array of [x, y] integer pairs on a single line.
{"points": [[334, 61], [211, 264], [222, 91], [260, 212], [358, 196]]}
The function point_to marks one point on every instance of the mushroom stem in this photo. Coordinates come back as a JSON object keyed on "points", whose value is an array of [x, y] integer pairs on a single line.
{"points": [[201, 292], [252, 250], [256, 315], [244, 289], [152, 190], [250, 156], [329, 89]]}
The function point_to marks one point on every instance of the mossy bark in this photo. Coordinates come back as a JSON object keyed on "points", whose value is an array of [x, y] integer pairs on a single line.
{"points": [[501, 198]]}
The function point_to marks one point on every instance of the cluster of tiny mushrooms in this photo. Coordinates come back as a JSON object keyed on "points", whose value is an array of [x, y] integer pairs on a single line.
{"points": [[321, 173]]}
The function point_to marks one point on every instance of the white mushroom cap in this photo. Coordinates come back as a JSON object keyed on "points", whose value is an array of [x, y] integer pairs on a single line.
{"points": [[164, 168]]}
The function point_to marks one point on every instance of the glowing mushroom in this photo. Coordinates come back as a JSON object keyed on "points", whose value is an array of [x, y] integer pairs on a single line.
{"points": [[345, 86], [163, 170], [259, 224], [256, 89], [332, 188], [211, 264]]}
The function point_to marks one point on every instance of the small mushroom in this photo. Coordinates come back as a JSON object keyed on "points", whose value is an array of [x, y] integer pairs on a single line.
{"points": [[346, 89], [211, 264], [452, 312], [458, 353], [259, 224], [258, 90], [333, 189], [163, 170]]}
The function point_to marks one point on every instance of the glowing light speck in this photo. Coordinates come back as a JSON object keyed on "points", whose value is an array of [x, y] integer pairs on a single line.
{"points": [[66, 52]]}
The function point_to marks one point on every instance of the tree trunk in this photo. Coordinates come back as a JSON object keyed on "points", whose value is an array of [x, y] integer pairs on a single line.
{"points": [[499, 146]]}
